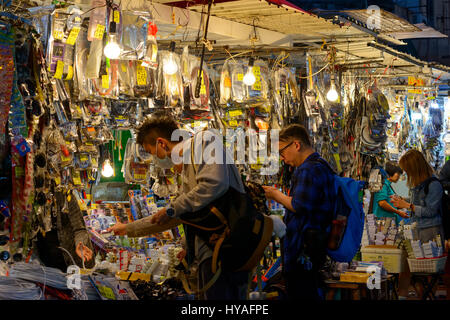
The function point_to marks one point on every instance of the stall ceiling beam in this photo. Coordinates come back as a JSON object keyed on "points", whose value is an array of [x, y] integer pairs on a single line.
{"points": [[234, 31]]}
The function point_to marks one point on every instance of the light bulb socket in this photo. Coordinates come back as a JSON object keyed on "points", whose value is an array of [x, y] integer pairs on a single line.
{"points": [[112, 27], [251, 61], [172, 46]]}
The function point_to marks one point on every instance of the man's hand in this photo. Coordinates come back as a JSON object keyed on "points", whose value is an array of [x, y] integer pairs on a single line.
{"points": [[119, 229], [83, 252], [160, 217], [272, 193]]}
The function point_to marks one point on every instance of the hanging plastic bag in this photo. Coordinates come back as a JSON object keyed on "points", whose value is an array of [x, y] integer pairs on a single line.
{"points": [[144, 80], [202, 102], [81, 57], [151, 56], [225, 84], [239, 90], [135, 29], [97, 20], [260, 89], [170, 76], [127, 72]]}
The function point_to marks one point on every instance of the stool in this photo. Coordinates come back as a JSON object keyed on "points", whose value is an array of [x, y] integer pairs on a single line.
{"points": [[429, 280]]}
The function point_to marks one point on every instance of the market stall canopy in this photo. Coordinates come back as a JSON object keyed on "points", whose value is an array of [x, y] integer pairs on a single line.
{"points": [[425, 32]]}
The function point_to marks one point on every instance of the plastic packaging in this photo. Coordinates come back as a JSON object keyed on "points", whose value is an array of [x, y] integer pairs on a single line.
{"points": [[170, 78], [97, 20]]}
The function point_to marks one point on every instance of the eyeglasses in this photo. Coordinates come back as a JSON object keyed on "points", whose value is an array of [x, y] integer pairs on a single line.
{"points": [[285, 147]]}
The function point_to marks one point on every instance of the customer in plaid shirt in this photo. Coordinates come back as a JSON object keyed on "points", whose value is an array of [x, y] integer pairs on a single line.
{"points": [[309, 213]]}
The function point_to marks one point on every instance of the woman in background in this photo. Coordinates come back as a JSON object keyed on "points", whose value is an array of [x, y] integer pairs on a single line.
{"points": [[426, 200]]}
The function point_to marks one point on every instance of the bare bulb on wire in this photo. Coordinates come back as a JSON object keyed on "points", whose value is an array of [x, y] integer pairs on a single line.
{"points": [[112, 49], [107, 169], [332, 94], [170, 66], [249, 78]]}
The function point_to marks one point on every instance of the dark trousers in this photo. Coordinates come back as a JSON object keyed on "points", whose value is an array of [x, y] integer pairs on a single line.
{"points": [[303, 284], [229, 285]]}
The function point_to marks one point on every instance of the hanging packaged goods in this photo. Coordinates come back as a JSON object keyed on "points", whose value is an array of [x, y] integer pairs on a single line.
{"points": [[78, 81]]}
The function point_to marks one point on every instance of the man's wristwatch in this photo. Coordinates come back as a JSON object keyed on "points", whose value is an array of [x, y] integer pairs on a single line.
{"points": [[170, 212]]}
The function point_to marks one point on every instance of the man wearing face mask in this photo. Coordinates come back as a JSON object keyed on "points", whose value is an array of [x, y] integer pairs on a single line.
{"points": [[202, 184]]}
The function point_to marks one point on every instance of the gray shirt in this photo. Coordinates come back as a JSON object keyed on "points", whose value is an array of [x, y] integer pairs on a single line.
{"points": [[202, 183]]}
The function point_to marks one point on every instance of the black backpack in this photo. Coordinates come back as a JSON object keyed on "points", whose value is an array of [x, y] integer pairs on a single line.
{"points": [[445, 203]]}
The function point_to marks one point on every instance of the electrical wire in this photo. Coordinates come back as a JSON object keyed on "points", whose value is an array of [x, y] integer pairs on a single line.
{"points": [[316, 72]]}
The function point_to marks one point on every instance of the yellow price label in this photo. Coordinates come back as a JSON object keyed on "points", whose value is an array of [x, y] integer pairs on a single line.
{"points": [[59, 70], [181, 230], [257, 71], [99, 31], [124, 67], [234, 113], [116, 16], [106, 292], [233, 123], [69, 73], [76, 178], [65, 159], [203, 87], [58, 180], [58, 35], [73, 35], [240, 77], [105, 81], [257, 86], [155, 52], [141, 74]]}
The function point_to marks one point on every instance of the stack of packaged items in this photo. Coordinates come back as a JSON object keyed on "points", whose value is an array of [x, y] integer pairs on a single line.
{"points": [[371, 228], [430, 249]]}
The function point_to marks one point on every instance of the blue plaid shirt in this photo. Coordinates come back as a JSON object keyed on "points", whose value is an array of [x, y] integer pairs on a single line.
{"points": [[313, 199]]}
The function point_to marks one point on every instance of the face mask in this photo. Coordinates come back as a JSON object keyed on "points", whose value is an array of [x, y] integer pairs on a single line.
{"points": [[165, 163]]}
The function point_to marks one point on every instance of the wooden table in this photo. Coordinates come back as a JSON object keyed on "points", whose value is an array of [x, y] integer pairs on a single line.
{"points": [[359, 291]]}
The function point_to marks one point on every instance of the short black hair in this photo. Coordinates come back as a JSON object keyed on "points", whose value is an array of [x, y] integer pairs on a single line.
{"points": [[295, 131], [392, 168], [157, 126]]}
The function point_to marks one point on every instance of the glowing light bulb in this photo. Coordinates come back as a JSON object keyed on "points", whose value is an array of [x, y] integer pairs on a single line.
{"points": [[170, 66], [112, 49], [332, 94], [107, 170], [249, 78]]}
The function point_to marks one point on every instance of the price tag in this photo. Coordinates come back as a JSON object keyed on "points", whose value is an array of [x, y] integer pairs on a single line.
{"points": [[287, 88], [58, 35], [233, 123], [257, 86], [73, 35], [59, 70], [99, 32], [181, 230], [203, 87], [124, 67], [105, 81], [69, 73], [65, 159], [257, 71], [141, 75], [240, 77], [76, 178], [116, 16], [83, 158], [58, 180], [155, 52], [234, 113]]}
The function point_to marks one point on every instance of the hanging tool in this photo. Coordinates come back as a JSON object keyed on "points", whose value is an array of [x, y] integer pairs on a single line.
{"points": [[200, 73]]}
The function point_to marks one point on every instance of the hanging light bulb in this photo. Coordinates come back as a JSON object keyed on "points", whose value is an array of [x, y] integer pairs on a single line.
{"points": [[249, 78], [112, 48], [170, 66], [107, 169], [332, 94]]}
